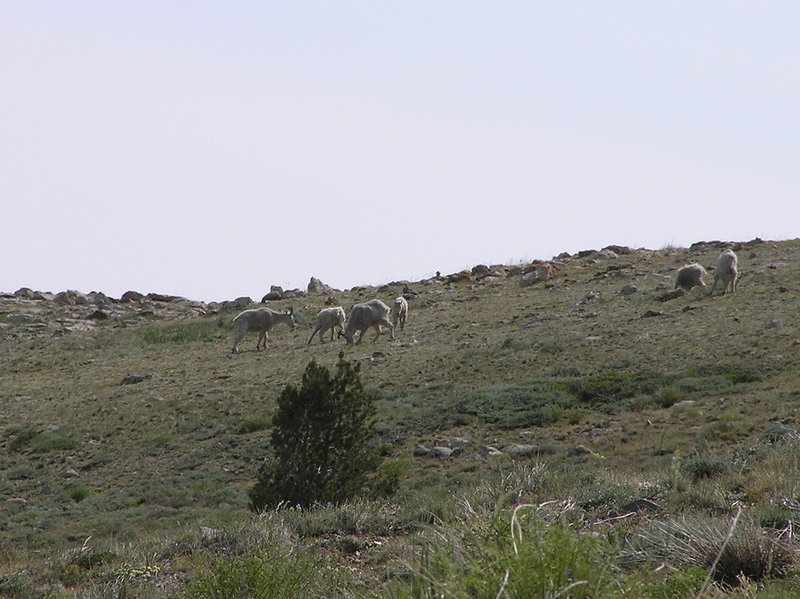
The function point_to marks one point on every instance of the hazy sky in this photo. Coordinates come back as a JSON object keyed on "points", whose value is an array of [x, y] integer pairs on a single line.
{"points": [[212, 149]]}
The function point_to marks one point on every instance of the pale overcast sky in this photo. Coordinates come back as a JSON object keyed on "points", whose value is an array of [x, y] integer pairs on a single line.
{"points": [[212, 149]]}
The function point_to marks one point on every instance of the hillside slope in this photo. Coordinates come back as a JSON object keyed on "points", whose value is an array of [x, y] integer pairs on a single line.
{"points": [[565, 362]]}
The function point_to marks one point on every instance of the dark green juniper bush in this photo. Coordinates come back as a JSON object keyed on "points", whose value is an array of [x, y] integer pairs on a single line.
{"points": [[320, 439]]}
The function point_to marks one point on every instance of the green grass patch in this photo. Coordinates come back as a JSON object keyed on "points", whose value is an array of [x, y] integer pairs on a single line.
{"points": [[37, 441], [187, 331]]}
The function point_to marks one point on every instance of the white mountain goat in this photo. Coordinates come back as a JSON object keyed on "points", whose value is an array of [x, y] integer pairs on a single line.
{"points": [[373, 313], [690, 276], [399, 312], [328, 318], [726, 271], [261, 320]]}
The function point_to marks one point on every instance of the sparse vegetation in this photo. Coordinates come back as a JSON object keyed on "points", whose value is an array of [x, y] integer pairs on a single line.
{"points": [[320, 440], [143, 489]]}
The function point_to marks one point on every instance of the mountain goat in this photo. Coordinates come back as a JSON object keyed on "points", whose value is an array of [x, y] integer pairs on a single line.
{"points": [[328, 318], [726, 271], [399, 312], [373, 313], [261, 320], [690, 276]]}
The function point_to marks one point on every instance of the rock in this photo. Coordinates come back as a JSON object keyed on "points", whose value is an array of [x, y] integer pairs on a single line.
{"points": [[275, 293], [441, 452], [619, 249], [20, 318], [774, 324], [652, 313], [628, 290], [601, 255], [671, 295], [481, 270], [132, 379], [71, 473], [240, 303], [682, 405], [71, 298], [489, 451], [160, 297], [97, 315], [317, 286], [24, 293], [457, 277], [420, 451], [541, 272], [131, 296], [579, 450], [456, 443], [409, 293], [331, 301]]}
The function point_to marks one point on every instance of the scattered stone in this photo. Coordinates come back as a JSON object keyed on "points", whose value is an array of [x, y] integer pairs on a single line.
{"points": [[629, 289], [458, 277], [275, 293], [456, 443], [441, 452], [652, 313], [378, 357], [131, 296], [579, 450], [774, 324], [132, 379], [682, 405], [71, 473], [540, 272], [480, 271], [331, 301], [317, 286], [671, 295], [240, 303], [619, 249], [24, 293], [409, 293], [538, 319], [21, 318], [161, 297], [488, 450], [71, 298]]}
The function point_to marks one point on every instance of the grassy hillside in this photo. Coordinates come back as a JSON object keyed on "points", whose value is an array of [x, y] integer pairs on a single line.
{"points": [[663, 394]]}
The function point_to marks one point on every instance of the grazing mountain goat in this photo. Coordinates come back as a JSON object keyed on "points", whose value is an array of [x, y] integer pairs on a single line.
{"points": [[261, 320], [373, 313], [726, 271], [328, 318], [690, 276], [399, 312]]}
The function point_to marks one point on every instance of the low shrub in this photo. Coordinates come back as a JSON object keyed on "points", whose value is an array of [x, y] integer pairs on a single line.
{"points": [[733, 549]]}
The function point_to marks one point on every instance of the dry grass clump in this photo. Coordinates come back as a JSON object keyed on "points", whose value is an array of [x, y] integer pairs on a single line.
{"points": [[729, 551]]}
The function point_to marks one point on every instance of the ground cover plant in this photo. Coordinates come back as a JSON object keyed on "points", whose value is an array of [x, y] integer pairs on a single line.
{"points": [[598, 443]]}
